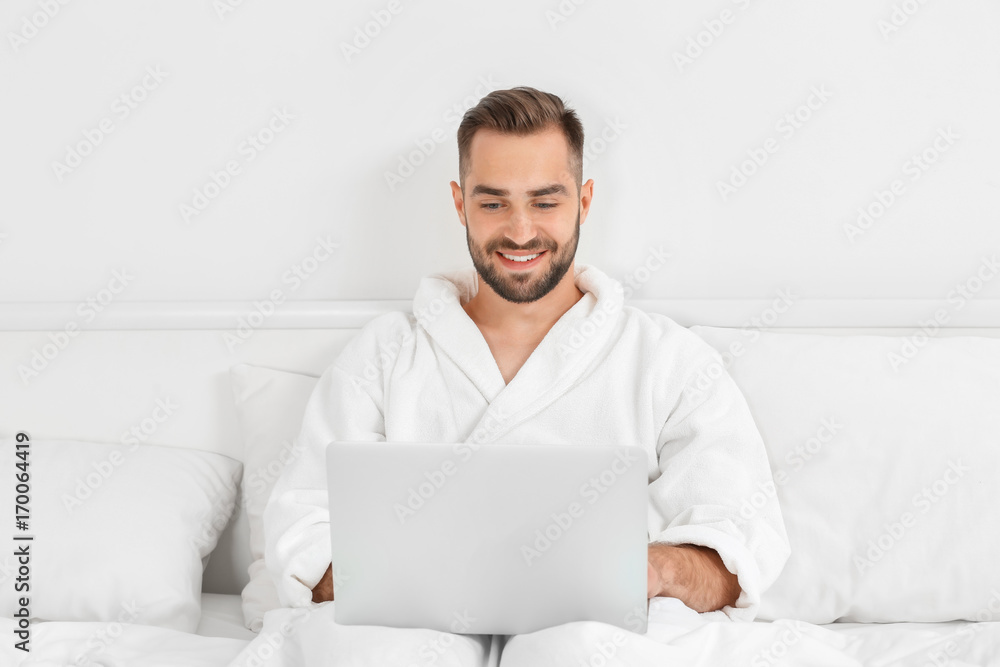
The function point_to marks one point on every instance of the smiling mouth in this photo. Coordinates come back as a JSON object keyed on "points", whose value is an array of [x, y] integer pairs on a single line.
{"points": [[521, 258], [521, 263]]}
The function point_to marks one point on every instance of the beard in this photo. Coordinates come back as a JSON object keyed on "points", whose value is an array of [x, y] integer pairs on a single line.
{"points": [[527, 286]]}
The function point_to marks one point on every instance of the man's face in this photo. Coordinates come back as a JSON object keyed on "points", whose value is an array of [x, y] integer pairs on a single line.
{"points": [[522, 212]]}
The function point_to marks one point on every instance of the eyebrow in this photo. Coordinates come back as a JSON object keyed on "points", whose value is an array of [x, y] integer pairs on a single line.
{"points": [[554, 188]]}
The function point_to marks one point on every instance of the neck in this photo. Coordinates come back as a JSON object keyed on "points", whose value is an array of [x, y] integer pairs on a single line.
{"points": [[491, 311]]}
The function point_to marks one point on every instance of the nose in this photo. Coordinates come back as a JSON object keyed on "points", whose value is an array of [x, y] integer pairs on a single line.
{"points": [[520, 229]]}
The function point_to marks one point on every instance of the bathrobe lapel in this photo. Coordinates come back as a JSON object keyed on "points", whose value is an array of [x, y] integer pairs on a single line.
{"points": [[576, 342], [437, 306]]}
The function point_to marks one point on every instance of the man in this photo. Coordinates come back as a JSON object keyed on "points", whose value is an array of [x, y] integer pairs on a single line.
{"points": [[530, 348]]}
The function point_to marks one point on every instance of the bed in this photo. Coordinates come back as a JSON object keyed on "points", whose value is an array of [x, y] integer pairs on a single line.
{"points": [[184, 381]]}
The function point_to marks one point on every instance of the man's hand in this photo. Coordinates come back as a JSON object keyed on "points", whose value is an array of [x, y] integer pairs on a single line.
{"points": [[693, 574], [324, 589]]}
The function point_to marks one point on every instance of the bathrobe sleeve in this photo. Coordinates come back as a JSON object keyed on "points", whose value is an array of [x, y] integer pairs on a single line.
{"points": [[345, 405], [715, 487]]}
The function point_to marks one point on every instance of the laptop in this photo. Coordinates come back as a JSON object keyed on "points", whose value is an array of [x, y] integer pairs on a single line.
{"points": [[488, 539]]}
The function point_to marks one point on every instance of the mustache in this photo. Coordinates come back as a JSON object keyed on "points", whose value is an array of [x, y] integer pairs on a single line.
{"points": [[531, 246]]}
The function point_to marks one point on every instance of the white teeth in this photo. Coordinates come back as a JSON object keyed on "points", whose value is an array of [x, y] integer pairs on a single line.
{"points": [[526, 258]]}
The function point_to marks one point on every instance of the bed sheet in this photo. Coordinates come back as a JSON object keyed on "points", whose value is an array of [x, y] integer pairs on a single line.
{"points": [[676, 635], [222, 616], [219, 638], [954, 644]]}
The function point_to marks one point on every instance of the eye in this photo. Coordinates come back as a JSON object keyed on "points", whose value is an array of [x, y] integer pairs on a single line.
{"points": [[490, 205], [546, 205]]}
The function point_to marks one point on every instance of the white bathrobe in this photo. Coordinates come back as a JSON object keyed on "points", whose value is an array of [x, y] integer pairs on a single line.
{"points": [[605, 373]]}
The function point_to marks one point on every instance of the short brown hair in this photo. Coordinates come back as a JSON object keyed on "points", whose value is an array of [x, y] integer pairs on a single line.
{"points": [[521, 111]]}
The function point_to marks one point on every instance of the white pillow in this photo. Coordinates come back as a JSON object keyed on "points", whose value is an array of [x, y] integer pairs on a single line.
{"points": [[120, 532], [887, 469], [270, 405]]}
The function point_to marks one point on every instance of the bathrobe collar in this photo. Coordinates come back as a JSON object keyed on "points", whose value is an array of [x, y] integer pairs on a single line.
{"points": [[562, 358]]}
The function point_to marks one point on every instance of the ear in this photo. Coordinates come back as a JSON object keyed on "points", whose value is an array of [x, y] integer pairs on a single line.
{"points": [[459, 198], [586, 196]]}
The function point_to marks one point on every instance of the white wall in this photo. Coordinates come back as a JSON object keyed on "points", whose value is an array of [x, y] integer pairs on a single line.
{"points": [[683, 127]]}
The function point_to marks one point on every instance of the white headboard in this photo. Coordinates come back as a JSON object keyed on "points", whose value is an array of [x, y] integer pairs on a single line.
{"points": [[102, 382]]}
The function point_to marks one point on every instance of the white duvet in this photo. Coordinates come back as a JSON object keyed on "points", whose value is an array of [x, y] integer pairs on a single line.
{"points": [[676, 636], [90, 644]]}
